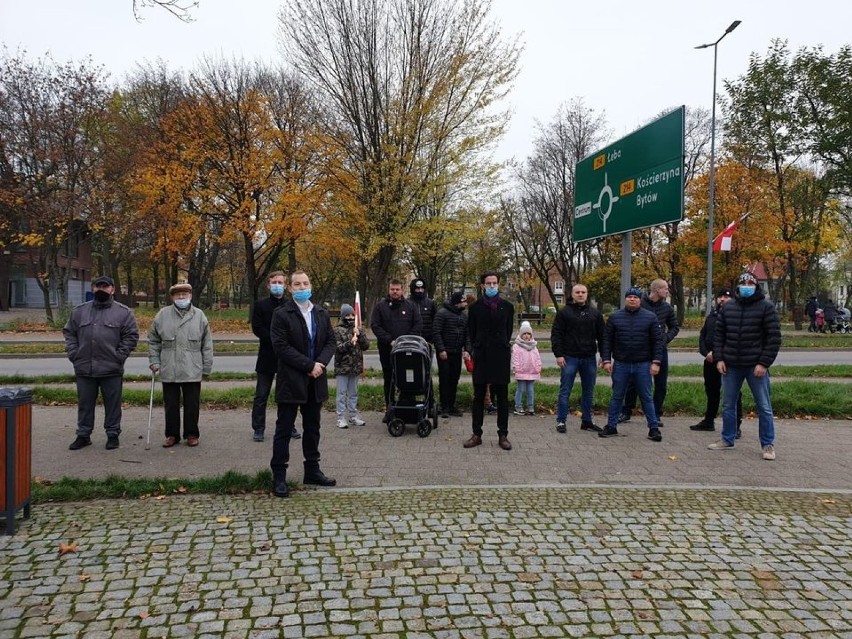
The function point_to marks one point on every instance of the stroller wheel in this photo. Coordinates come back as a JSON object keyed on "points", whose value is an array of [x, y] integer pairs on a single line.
{"points": [[396, 427], [424, 427]]}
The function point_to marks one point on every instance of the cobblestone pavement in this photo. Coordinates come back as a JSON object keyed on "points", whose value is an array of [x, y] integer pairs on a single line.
{"points": [[447, 563]]}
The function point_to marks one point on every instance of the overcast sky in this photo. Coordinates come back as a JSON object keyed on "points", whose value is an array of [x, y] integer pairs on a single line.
{"points": [[629, 59]]}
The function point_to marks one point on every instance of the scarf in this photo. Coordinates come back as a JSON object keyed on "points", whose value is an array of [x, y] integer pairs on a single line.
{"points": [[492, 303], [530, 345]]}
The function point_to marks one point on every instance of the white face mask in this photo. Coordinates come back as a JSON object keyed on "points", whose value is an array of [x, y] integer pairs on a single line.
{"points": [[183, 304]]}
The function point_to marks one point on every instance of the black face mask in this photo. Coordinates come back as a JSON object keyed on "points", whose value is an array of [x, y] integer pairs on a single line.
{"points": [[101, 296], [348, 322]]}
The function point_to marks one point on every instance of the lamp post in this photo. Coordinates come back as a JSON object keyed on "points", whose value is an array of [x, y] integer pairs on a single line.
{"points": [[733, 26]]}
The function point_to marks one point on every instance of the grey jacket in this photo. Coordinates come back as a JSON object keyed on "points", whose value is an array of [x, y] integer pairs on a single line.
{"points": [[99, 338], [181, 344]]}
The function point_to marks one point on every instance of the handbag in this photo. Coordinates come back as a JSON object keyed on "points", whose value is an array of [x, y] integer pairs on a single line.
{"points": [[469, 364]]}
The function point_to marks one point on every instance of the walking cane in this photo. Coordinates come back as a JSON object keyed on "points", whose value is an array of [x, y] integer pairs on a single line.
{"points": [[150, 411]]}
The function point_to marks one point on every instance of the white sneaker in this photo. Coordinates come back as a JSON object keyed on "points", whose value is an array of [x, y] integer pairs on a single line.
{"points": [[769, 452], [342, 423], [357, 421], [720, 445]]}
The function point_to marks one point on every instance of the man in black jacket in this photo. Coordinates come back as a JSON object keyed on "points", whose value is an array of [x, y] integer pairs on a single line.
{"points": [[632, 350], [392, 317], [576, 338], [426, 306], [267, 363], [304, 343], [746, 343], [712, 378], [656, 302], [450, 345]]}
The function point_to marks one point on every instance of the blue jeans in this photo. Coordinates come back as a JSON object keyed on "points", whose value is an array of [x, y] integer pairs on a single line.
{"points": [[347, 396], [639, 374], [525, 387], [732, 382], [588, 376]]}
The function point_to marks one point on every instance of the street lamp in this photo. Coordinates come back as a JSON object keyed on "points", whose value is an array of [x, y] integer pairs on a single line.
{"points": [[733, 26]]}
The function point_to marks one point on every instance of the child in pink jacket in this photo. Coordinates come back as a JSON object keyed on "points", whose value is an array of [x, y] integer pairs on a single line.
{"points": [[526, 364]]}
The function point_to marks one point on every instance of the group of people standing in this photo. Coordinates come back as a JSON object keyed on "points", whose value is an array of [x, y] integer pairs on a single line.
{"points": [[739, 341]]}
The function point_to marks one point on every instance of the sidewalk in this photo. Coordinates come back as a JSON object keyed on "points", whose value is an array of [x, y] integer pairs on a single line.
{"points": [[564, 536]]}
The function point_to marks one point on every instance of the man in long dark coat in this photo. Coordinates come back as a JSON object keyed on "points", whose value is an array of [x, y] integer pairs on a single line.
{"points": [[490, 324]]}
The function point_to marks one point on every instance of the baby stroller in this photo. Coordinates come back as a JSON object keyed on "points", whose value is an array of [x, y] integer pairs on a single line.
{"points": [[842, 322], [411, 398]]}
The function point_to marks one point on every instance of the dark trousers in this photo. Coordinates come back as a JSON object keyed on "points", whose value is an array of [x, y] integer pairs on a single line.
{"points": [[713, 390], [191, 392], [261, 397], [387, 369], [310, 437], [500, 397], [87, 396], [661, 382], [449, 371]]}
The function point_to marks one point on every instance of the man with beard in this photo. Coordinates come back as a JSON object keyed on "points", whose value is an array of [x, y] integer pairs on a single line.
{"points": [[392, 317], [99, 336]]}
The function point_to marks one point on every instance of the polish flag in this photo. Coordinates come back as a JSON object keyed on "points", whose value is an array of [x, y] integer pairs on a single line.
{"points": [[357, 310], [722, 242]]}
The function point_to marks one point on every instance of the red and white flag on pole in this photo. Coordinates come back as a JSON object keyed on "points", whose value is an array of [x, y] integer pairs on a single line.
{"points": [[357, 310], [722, 242]]}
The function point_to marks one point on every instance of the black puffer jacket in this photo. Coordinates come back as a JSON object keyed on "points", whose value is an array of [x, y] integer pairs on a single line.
{"points": [[665, 316], [392, 319], [747, 332], [632, 337], [450, 330], [261, 322], [577, 331]]}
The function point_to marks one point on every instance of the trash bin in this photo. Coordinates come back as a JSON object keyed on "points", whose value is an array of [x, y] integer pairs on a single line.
{"points": [[16, 447]]}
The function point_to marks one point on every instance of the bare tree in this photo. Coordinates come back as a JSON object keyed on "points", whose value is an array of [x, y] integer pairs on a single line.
{"points": [[180, 9], [412, 85]]}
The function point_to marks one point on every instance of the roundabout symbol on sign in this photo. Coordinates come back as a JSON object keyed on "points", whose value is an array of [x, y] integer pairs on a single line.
{"points": [[606, 190]]}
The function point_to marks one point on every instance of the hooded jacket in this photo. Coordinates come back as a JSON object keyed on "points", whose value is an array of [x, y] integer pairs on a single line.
{"points": [[665, 316], [747, 332]]}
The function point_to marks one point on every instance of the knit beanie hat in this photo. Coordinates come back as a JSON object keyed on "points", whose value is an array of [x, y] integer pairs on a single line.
{"points": [[525, 328], [346, 309], [456, 298], [633, 290]]}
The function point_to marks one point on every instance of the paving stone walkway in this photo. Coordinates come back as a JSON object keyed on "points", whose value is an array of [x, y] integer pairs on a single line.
{"points": [[495, 562]]}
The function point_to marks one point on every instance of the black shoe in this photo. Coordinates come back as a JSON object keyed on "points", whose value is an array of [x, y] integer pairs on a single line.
{"points": [[590, 426], [623, 418], [280, 487], [455, 412], [258, 435], [703, 425], [80, 442], [609, 431], [386, 419], [445, 414], [112, 442], [560, 427], [294, 434], [318, 479], [491, 409], [739, 433], [655, 435], [660, 424]]}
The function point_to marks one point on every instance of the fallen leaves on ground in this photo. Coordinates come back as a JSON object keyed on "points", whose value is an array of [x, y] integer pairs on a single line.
{"points": [[64, 549], [222, 519]]}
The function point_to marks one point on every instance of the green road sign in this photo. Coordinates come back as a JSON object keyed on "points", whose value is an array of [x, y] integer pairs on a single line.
{"points": [[632, 184]]}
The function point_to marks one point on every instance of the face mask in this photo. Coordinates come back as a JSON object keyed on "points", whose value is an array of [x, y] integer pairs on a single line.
{"points": [[101, 296], [349, 321], [747, 291], [491, 292], [276, 289], [183, 304], [302, 296]]}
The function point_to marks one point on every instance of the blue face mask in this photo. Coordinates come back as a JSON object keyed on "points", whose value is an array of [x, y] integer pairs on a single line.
{"points": [[747, 291], [491, 292], [276, 289], [302, 296], [183, 304]]}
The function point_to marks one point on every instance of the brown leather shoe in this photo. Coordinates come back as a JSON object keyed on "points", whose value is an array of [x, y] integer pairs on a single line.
{"points": [[504, 442], [170, 441], [192, 441], [475, 440]]}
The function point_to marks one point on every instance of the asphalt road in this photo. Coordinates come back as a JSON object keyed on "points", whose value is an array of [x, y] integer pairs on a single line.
{"points": [[59, 365]]}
